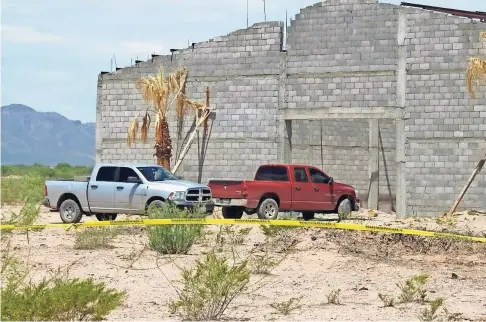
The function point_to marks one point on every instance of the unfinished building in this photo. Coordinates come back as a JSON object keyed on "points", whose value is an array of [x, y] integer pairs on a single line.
{"points": [[372, 93]]}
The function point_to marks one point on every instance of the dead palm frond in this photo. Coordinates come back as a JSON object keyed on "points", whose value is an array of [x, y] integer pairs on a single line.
{"points": [[475, 73], [145, 127], [132, 131]]}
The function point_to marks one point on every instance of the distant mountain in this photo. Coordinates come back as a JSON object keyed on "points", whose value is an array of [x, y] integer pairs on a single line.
{"points": [[47, 138]]}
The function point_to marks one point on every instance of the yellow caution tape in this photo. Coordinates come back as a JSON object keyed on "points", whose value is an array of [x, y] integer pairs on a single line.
{"points": [[290, 223]]}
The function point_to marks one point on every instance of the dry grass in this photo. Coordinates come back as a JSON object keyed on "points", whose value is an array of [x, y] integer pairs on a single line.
{"points": [[474, 74], [333, 297], [286, 307]]}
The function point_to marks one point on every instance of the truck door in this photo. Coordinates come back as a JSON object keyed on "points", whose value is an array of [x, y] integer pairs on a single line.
{"points": [[101, 190], [129, 196], [322, 190], [303, 196]]}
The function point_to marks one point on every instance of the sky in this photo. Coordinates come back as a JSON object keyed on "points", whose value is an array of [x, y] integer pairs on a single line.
{"points": [[53, 50]]}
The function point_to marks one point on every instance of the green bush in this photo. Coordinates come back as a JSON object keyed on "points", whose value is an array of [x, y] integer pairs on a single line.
{"points": [[173, 239], [209, 288], [59, 300], [20, 183], [53, 299], [27, 215]]}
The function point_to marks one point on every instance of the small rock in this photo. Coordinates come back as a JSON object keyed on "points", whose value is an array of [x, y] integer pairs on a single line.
{"points": [[454, 276], [313, 238], [363, 289]]}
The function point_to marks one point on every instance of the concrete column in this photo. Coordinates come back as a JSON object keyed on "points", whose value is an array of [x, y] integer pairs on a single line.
{"points": [[374, 164], [401, 190], [99, 121], [283, 139]]}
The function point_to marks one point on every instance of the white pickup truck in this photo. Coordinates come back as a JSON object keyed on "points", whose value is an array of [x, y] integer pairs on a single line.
{"points": [[123, 188]]}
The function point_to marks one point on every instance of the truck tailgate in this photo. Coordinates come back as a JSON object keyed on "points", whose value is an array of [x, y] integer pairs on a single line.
{"points": [[227, 188]]}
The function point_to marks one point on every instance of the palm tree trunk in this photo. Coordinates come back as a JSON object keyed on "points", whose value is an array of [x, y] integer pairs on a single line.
{"points": [[163, 143]]}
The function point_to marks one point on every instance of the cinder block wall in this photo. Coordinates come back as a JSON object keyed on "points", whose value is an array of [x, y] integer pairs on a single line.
{"points": [[241, 70], [446, 129], [341, 54]]}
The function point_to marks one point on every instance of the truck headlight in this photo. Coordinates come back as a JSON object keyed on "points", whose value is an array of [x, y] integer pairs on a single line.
{"points": [[177, 195]]}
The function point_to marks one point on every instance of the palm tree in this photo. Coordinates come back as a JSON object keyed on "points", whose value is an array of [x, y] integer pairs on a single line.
{"points": [[156, 90]]}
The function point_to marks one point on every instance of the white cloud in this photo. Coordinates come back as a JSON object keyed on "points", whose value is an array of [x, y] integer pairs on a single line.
{"points": [[23, 34]]}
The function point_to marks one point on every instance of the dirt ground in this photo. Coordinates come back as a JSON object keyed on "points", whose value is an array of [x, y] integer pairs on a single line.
{"points": [[360, 264]]}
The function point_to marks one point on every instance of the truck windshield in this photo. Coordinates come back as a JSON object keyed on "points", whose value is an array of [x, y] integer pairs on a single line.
{"points": [[156, 173]]}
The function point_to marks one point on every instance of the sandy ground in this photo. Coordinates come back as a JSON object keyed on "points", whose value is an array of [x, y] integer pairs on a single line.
{"points": [[360, 264]]}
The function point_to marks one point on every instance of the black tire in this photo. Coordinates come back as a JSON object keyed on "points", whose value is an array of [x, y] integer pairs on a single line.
{"points": [[268, 209], [106, 217], [232, 212], [154, 204], [345, 207], [307, 215], [70, 212]]}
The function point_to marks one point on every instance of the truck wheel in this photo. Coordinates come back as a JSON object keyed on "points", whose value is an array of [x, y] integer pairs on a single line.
{"points": [[106, 217], [232, 212], [70, 212], [156, 204], [308, 215], [268, 209], [345, 207]]}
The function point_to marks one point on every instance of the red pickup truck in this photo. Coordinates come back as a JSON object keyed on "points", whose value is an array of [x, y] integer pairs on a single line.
{"points": [[282, 188]]}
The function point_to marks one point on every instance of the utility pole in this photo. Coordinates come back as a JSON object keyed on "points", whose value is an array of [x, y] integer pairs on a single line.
{"points": [[264, 11], [246, 13]]}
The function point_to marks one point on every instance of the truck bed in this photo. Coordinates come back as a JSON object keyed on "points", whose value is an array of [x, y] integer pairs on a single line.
{"points": [[227, 189], [56, 188]]}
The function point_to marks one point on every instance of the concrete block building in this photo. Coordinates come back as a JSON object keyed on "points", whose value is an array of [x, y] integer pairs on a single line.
{"points": [[372, 93]]}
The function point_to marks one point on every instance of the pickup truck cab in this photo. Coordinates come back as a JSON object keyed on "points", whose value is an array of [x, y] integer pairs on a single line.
{"points": [[123, 188], [282, 188]]}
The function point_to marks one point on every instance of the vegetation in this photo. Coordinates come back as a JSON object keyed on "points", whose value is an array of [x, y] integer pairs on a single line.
{"points": [[210, 287], [286, 307], [413, 289], [95, 237], [156, 90], [54, 298], [173, 239], [26, 183], [333, 297], [430, 313], [475, 71], [26, 216]]}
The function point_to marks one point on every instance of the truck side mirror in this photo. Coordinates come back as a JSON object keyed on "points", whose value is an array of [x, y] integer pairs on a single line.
{"points": [[331, 180], [134, 180]]}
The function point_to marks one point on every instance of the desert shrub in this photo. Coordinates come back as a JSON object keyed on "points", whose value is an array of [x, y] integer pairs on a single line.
{"points": [[95, 237], [20, 183], [430, 313], [26, 216], [286, 307], [333, 297], [413, 289], [388, 300], [26, 188], [173, 239], [58, 298], [210, 287], [281, 239], [236, 236], [263, 264]]}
